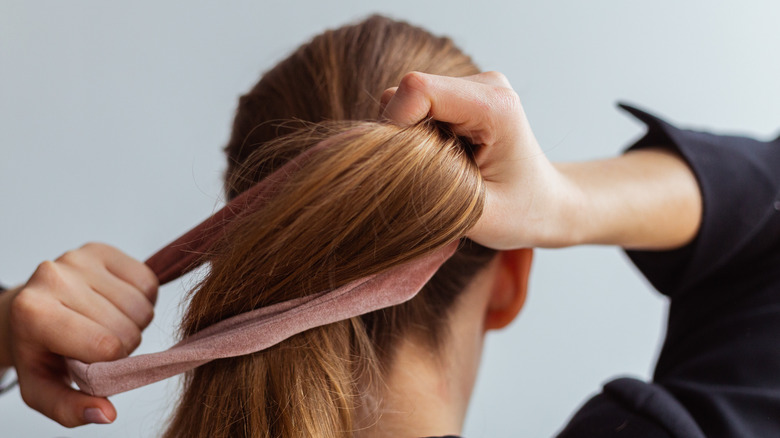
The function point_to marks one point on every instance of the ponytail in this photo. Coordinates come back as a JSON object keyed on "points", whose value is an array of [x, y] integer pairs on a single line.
{"points": [[372, 196]]}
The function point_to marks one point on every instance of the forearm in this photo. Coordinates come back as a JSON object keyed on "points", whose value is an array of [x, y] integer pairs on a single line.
{"points": [[645, 199], [5, 327]]}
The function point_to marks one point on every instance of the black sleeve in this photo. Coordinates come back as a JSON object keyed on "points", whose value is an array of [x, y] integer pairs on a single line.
{"points": [[718, 374]]}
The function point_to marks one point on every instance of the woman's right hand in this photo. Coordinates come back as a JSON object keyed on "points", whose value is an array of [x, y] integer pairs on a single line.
{"points": [[527, 197]]}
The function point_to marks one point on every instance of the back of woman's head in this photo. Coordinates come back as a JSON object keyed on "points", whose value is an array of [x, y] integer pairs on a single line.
{"points": [[372, 195]]}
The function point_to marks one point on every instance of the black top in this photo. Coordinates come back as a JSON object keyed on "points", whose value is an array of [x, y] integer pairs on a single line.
{"points": [[718, 374]]}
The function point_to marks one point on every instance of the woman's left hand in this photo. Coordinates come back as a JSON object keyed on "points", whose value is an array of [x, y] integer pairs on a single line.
{"points": [[527, 197], [644, 199]]}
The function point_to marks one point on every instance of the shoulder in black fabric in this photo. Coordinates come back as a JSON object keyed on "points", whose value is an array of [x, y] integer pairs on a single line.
{"points": [[629, 408]]}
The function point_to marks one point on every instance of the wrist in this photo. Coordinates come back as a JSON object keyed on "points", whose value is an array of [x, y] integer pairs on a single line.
{"points": [[593, 213], [566, 219]]}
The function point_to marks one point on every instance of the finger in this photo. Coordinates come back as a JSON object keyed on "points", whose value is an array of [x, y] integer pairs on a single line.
{"points": [[125, 297], [41, 322], [99, 309], [47, 391], [465, 105], [385, 98], [411, 101], [127, 268], [492, 78]]}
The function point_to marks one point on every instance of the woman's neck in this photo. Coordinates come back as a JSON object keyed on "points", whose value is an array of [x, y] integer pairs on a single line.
{"points": [[427, 393]]}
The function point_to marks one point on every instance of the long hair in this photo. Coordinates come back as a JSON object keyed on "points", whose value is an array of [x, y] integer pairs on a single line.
{"points": [[375, 196]]}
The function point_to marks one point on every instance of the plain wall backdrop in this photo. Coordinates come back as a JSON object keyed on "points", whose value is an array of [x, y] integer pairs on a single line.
{"points": [[113, 114]]}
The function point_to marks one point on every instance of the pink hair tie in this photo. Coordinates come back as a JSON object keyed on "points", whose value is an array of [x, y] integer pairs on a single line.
{"points": [[258, 329]]}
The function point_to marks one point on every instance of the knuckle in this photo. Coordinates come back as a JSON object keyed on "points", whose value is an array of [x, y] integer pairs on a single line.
{"points": [[483, 103], [29, 397], [150, 280], [25, 308], [415, 81], [506, 99], [488, 136], [497, 77], [93, 247], [60, 413], [98, 249], [109, 347], [73, 257], [388, 93], [47, 273], [386, 96], [36, 399], [147, 317], [151, 295], [148, 284], [95, 252], [482, 111], [134, 340], [70, 424]]}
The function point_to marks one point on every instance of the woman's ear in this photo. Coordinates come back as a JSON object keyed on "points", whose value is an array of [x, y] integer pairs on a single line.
{"points": [[509, 289]]}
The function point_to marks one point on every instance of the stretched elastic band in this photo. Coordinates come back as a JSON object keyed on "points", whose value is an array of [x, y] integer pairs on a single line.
{"points": [[259, 329]]}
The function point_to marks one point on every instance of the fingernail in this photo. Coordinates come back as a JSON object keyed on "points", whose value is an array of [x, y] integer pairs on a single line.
{"points": [[95, 415]]}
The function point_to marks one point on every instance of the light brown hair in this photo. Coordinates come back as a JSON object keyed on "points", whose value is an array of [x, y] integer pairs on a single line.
{"points": [[376, 196]]}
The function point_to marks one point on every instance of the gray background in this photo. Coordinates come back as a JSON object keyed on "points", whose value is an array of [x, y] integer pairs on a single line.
{"points": [[112, 117]]}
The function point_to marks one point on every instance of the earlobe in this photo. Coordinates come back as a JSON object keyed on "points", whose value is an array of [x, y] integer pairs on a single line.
{"points": [[509, 289]]}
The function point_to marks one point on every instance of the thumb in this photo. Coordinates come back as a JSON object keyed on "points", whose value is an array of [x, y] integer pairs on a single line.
{"points": [[387, 95], [51, 395]]}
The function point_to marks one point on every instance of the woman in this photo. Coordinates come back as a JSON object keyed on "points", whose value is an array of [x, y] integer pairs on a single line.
{"points": [[381, 194]]}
